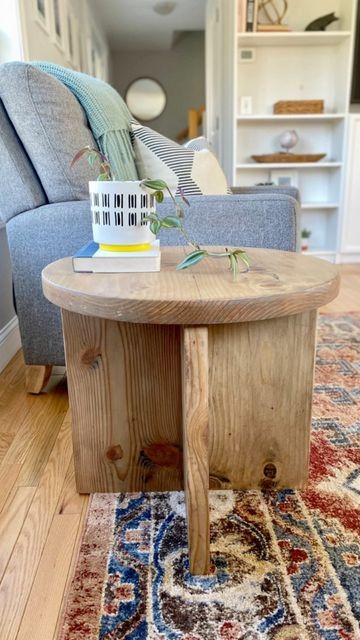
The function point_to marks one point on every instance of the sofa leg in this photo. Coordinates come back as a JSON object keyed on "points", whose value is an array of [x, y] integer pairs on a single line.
{"points": [[36, 377]]}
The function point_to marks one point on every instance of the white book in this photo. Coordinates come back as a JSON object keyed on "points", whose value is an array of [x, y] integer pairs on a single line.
{"points": [[94, 260]]}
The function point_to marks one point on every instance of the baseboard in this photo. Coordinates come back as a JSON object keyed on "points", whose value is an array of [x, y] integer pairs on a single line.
{"points": [[350, 258], [10, 342]]}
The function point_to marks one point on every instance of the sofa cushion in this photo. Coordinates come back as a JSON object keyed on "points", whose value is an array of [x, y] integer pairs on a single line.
{"points": [[20, 187], [52, 127], [194, 172]]}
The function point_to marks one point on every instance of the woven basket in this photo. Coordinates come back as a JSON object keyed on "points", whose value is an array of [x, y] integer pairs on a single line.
{"points": [[299, 106], [289, 157]]}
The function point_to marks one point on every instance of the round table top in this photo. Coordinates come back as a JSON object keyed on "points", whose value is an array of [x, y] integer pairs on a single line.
{"points": [[279, 283]]}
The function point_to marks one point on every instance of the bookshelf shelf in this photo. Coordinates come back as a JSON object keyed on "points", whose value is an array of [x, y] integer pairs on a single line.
{"points": [[318, 117], [293, 38], [263, 166], [326, 206]]}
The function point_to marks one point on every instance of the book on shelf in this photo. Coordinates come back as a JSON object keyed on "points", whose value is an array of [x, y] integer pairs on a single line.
{"points": [[255, 16], [95, 260], [242, 15], [251, 15]]}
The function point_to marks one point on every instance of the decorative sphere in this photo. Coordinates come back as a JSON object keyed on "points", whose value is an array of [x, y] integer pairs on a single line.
{"points": [[288, 139]]}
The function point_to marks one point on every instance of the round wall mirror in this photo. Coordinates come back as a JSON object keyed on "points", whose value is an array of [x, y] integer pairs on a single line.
{"points": [[145, 98]]}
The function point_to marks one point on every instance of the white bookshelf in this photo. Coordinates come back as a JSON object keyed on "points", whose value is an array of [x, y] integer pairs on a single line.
{"points": [[297, 65]]}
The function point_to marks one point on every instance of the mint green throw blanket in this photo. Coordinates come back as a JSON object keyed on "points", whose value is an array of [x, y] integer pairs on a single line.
{"points": [[108, 116]]}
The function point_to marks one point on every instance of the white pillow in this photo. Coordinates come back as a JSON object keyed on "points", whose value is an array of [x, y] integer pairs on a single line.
{"points": [[195, 172]]}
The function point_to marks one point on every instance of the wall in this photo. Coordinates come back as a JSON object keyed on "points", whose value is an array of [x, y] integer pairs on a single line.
{"points": [[42, 43], [10, 37], [181, 71]]}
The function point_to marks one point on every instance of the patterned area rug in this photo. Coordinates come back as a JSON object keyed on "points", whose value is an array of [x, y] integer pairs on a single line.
{"points": [[284, 565]]}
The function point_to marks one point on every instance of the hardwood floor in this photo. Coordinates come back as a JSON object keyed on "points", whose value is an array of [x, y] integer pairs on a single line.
{"points": [[41, 514]]}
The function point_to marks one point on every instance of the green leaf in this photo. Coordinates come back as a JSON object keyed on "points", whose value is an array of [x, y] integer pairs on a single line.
{"points": [[103, 177], [242, 255], [192, 258], [159, 196], [157, 185], [155, 227], [152, 217], [171, 222], [233, 264], [245, 259], [92, 158]]}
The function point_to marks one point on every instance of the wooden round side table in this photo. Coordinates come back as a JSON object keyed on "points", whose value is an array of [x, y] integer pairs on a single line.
{"points": [[190, 379]]}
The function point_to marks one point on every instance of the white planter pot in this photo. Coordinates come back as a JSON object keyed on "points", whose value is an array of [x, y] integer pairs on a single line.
{"points": [[118, 211]]}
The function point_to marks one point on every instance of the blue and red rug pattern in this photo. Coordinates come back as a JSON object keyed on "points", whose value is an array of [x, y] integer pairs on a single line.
{"points": [[285, 565]]}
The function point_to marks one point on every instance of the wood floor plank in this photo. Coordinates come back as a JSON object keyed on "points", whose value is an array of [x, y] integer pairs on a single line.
{"points": [[8, 476], [36, 435], [6, 440], [41, 612], [13, 370], [42, 444], [14, 402], [70, 501], [72, 564], [20, 572], [11, 521], [348, 298]]}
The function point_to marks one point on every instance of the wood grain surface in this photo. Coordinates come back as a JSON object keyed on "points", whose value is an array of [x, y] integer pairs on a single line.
{"points": [[125, 396], [195, 406], [260, 389], [279, 283]]}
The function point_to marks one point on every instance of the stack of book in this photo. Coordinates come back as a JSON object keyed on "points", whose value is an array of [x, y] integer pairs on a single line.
{"points": [[248, 18], [94, 260]]}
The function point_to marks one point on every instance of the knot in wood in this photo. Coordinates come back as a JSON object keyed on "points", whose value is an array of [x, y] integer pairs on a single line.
{"points": [[114, 453], [91, 357], [270, 470]]}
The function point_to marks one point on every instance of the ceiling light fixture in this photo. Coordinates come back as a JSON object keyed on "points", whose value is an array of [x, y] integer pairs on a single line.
{"points": [[164, 8]]}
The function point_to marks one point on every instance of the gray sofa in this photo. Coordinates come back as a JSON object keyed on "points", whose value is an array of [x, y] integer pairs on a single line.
{"points": [[46, 209]]}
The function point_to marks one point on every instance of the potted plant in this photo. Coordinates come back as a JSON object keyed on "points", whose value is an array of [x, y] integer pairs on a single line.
{"points": [[120, 209], [124, 216], [305, 235]]}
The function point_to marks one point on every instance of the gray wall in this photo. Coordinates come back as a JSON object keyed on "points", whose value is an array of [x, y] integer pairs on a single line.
{"points": [[181, 71], [6, 304]]}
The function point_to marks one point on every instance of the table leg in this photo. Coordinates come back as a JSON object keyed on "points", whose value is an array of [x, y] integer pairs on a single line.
{"points": [[124, 383], [195, 386], [260, 386]]}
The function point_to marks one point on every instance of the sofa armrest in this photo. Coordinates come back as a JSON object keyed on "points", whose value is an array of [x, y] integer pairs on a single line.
{"points": [[259, 219], [288, 191]]}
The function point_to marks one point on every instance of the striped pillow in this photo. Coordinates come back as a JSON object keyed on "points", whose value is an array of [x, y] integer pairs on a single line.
{"points": [[195, 172], [198, 144]]}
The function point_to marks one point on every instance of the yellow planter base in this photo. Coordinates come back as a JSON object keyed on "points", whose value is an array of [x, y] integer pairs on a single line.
{"points": [[125, 247]]}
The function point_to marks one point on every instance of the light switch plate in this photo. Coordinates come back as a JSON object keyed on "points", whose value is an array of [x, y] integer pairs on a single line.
{"points": [[246, 105]]}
